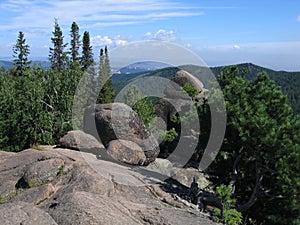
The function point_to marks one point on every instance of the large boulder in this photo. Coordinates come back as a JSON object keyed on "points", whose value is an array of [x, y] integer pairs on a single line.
{"points": [[118, 121], [127, 152], [80, 141], [174, 88]]}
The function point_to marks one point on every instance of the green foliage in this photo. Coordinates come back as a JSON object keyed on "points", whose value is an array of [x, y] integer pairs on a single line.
{"points": [[3, 200], [107, 92], [230, 214], [87, 59], [142, 105], [169, 135], [36, 108], [145, 110], [190, 90], [263, 131], [75, 43], [60, 170], [289, 82], [21, 51], [57, 55]]}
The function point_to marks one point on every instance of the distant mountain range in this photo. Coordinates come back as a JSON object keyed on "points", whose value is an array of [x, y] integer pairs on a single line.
{"points": [[144, 66], [289, 81], [7, 64]]}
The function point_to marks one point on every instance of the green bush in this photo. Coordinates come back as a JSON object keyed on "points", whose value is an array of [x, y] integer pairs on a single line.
{"points": [[230, 215], [169, 135]]}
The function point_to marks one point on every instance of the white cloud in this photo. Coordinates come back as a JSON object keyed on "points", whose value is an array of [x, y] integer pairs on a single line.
{"points": [[236, 47], [40, 14], [100, 41], [162, 35], [298, 18]]}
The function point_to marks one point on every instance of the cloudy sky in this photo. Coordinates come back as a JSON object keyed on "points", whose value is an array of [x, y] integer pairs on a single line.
{"points": [[264, 32]]}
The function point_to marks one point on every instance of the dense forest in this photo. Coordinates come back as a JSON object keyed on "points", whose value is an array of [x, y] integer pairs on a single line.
{"points": [[257, 169], [36, 104]]}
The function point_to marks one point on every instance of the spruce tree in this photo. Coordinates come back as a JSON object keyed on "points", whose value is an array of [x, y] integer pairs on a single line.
{"points": [[107, 92], [87, 52], [21, 51], [75, 43], [57, 56]]}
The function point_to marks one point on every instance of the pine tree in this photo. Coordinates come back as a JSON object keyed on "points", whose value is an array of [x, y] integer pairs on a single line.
{"points": [[21, 51], [57, 56], [107, 92], [87, 52], [75, 43], [261, 146]]}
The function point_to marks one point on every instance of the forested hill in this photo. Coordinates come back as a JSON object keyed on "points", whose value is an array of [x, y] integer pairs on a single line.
{"points": [[289, 81]]}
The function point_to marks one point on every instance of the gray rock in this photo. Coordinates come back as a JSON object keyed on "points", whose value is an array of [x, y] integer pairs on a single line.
{"points": [[41, 172], [25, 214], [184, 176], [86, 179], [36, 195], [86, 191], [78, 140], [118, 121], [85, 208], [127, 152], [174, 88]]}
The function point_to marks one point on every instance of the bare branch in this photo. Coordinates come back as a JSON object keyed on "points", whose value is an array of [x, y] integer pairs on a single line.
{"points": [[235, 174], [258, 180]]}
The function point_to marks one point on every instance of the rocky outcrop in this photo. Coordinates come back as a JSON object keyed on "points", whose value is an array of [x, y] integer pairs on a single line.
{"points": [[118, 121], [24, 213], [77, 188], [177, 103]]}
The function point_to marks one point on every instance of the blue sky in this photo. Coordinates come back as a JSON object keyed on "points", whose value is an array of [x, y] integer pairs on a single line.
{"points": [[220, 32]]}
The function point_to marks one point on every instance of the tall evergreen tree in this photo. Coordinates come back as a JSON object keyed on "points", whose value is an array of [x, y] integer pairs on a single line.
{"points": [[107, 92], [57, 56], [75, 43], [87, 51], [21, 51]]}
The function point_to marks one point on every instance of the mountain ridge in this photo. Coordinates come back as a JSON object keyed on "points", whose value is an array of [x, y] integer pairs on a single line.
{"points": [[288, 81]]}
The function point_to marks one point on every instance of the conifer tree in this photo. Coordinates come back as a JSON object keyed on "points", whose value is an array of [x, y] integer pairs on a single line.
{"points": [[75, 43], [57, 56], [260, 152], [107, 92], [21, 51], [87, 51]]}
